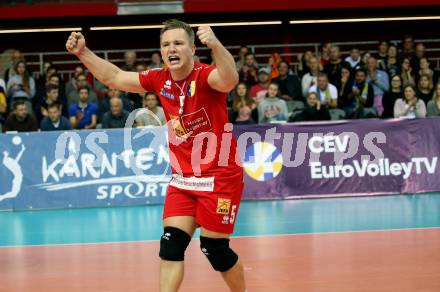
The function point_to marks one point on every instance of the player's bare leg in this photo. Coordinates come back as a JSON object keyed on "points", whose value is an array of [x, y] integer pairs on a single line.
{"points": [[234, 277], [171, 272]]}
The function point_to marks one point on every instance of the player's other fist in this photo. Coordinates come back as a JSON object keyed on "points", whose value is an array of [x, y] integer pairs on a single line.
{"points": [[75, 43], [207, 36]]}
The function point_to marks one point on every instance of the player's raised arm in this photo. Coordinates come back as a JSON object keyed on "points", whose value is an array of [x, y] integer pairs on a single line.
{"points": [[103, 70], [225, 77]]}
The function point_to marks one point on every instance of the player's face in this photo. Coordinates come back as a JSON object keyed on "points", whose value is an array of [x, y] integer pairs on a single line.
{"points": [[176, 49]]}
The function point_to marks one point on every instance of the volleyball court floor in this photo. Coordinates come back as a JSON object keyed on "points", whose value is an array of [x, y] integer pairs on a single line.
{"points": [[383, 243]]}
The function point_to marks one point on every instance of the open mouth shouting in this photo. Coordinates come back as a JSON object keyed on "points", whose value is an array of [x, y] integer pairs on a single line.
{"points": [[174, 60]]}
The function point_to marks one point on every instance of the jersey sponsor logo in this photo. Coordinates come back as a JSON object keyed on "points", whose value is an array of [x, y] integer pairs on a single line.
{"points": [[145, 73], [191, 89], [167, 84], [262, 161], [166, 94], [196, 122], [177, 126], [202, 184], [223, 206], [225, 219]]}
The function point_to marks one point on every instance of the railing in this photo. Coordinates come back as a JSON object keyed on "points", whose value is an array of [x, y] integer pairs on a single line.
{"points": [[262, 53]]}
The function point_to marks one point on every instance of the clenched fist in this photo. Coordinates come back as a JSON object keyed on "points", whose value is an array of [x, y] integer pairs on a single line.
{"points": [[75, 43], [207, 37]]}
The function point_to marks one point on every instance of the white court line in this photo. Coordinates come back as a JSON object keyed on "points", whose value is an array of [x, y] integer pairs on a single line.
{"points": [[241, 236]]}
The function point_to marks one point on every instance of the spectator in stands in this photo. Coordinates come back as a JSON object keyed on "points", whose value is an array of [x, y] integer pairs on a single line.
{"points": [[52, 96], [72, 85], [156, 62], [408, 46], [243, 105], [425, 69], [365, 58], [314, 110], [116, 117], [303, 63], [434, 104], [355, 58], [84, 114], [16, 57], [54, 121], [406, 72], [391, 64], [333, 68], [272, 108], [130, 60], [3, 103], [57, 81], [241, 60], [359, 106], [345, 86], [425, 88], [289, 84], [380, 82], [20, 120], [419, 53], [327, 93], [390, 97], [104, 105], [263, 83], [21, 85], [324, 57], [248, 72], [153, 115], [411, 106], [310, 78], [73, 97], [141, 66], [273, 62], [382, 54]]}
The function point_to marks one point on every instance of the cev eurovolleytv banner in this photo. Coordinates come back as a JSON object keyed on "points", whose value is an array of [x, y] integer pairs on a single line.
{"points": [[131, 166]]}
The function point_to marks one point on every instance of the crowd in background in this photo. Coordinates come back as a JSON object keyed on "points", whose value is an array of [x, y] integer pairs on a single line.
{"points": [[394, 82]]}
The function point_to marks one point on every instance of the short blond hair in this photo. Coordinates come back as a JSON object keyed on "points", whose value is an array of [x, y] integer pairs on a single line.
{"points": [[171, 24]]}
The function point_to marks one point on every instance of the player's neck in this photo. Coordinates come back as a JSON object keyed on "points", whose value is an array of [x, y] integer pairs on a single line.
{"points": [[182, 73]]}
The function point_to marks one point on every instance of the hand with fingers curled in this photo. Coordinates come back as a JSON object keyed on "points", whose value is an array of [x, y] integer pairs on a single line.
{"points": [[76, 43], [207, 37]]}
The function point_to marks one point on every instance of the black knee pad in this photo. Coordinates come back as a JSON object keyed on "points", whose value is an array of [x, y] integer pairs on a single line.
{"points": [[218, 252], [173, 244]]}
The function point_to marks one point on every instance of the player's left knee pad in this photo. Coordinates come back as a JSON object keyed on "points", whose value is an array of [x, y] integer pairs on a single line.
{"points": [[218, 252]]}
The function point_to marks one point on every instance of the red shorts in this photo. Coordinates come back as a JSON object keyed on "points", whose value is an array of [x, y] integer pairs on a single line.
{"points": [[214, 210]]}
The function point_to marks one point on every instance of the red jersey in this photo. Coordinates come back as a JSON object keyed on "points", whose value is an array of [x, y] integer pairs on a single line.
{"points": [[196, 126]]}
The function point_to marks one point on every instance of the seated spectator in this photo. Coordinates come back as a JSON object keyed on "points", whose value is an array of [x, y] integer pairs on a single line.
{"points": [[54, 121], [425, 88], [310, 78], [243, 106], [418, 54], [289, 84], [50, 76], [382, 54], [273, 62], [241, 59], [156, 61], [16, 56], [3, 103], [406, 73], [84, 114], [130, 61], [248, 72], [408, 47], [410, 106], [151, 114], [426, 70], [391, 64], [52, 96], [433, 106], [272, 108], [104, 105], [327, 93], [72, 85], [21, 85], [355, 58], [380, 82], [362, 100], [303, 63], [324, 57], [390, 97], [73, 97], [334, 66], [263, 82], [345, 86], [116, 117], [20, 120], [314, 110], [141, 66]]}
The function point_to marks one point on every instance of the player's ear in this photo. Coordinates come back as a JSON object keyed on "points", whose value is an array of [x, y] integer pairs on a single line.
{"points": [[193, 48]]}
